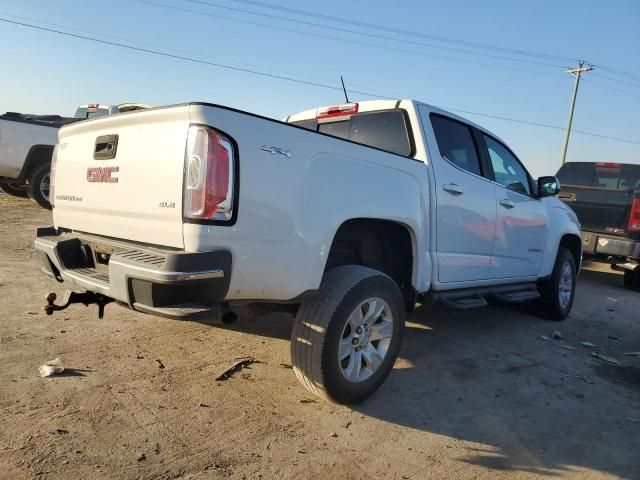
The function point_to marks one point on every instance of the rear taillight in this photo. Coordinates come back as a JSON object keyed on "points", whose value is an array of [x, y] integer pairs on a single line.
{"points": [[52, 174], [634, 215], [209, 173]]}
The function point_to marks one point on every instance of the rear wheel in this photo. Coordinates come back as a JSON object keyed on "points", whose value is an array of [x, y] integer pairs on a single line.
{"points": [[345, 341], [13, 190], [558, 292], [39, 186], [632, 279]]}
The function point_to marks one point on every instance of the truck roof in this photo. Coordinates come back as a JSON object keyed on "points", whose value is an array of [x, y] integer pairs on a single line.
{"points": [[386, 104]]}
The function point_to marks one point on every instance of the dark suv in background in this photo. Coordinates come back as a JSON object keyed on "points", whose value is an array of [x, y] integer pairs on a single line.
{"points": [[606, 199]]}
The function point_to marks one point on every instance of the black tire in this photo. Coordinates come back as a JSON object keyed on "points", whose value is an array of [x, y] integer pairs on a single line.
{"points": [[550, 303], [38, 182], [321, 322], [632, 279], [14, 191]]}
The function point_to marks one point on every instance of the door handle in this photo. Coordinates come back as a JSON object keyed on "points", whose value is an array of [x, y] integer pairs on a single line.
{"points": [[453, 188], [506, 203]]}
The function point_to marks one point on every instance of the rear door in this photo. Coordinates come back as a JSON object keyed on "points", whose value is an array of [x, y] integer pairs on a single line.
{"points": [[465, 201], [521, 226], [122, 176]]}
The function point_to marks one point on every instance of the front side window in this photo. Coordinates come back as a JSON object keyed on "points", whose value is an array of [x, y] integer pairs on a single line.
{"points": [[507, 169], [455, 143]]}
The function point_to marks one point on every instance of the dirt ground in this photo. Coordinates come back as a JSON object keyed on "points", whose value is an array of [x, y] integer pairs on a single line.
{"points": [[475, 394]]}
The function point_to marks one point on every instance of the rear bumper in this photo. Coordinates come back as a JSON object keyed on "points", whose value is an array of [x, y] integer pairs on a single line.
{"points": [[153, 280], [610, 246]]}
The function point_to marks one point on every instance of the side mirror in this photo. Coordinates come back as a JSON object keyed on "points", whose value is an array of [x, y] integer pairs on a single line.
{"points": [[548, 186]]}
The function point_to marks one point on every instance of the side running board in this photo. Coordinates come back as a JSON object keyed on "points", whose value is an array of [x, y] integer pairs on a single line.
{"points": [[467, 298]]}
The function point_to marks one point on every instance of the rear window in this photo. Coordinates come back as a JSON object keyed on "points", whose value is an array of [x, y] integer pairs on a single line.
{"points": [[385, 130], [609, 176]]}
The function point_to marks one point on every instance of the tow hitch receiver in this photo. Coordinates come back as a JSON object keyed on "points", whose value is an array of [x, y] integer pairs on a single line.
{"points": [[86, 298]]}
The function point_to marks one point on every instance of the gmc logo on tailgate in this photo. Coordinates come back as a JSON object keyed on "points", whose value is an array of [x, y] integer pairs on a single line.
{"points": [[102, 174]]}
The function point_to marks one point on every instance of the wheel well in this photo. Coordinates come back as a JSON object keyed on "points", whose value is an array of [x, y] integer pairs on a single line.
{"points": [[573, 243], [380, 244], [38, 155]]}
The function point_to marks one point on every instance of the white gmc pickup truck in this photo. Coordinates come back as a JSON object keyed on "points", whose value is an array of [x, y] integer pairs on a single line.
{"points": [[346, 216]]}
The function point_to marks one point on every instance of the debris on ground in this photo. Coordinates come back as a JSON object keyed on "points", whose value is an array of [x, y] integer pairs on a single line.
{"points": [[568, 347], [605, 358], [614, 338], [587, 344], [584, 378], [141, 457], [544, 337], [285, 365], [235, 367], [348, 424], [52, 367], [157, 449], [160, 364], [200, 404], [634, 420], [308, 400], [632, 354], [557, 335], [333, 434]]}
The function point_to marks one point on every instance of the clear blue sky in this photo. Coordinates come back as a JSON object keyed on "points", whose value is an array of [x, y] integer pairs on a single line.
{"points": [[47, 73]]}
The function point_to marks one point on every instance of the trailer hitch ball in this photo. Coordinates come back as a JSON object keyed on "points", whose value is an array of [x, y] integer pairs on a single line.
{"points": [[86, 298]]}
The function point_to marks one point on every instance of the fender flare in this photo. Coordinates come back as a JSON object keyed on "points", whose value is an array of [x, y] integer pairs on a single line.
{"points": [[37, 155]]}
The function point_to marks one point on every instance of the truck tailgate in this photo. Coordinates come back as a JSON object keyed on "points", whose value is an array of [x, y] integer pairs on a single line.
{"points": [[121, 176], [599, 209]]}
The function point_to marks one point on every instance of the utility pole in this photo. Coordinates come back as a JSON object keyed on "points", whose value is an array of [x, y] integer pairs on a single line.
{"points": [[576, 72]]}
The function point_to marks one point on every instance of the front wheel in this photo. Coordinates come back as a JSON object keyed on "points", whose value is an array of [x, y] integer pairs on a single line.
{"points": [[39, 186], [345, 340], [558, 292]]}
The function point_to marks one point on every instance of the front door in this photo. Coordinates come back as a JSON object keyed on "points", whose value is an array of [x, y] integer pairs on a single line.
{"points": [[521, 227]]}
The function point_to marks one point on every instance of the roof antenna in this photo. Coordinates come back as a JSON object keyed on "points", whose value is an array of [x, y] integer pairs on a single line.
{"points": [[344, 90]]}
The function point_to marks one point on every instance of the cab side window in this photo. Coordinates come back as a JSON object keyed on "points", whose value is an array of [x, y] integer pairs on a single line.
{"points": [[455, 143], [507, 169]]}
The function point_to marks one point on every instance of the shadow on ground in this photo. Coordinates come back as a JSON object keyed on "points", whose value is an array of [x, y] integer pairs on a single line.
{"points": [[485, 376]]}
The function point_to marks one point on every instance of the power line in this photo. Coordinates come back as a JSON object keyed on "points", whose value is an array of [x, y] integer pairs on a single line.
{"points": [[637, 85], [357, 42], [544, 125], [188, 52], [294, 11], [290, 79], [334, 28], [633, 76], [394, 30], [180, 57], [611, 88]]}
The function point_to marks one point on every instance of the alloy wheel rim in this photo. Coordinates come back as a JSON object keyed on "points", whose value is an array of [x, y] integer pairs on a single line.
{"points": [[365, 339], [565, 286], [45, 186]]}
